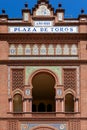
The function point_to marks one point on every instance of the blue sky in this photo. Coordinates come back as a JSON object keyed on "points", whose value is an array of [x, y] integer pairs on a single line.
{"points": [[72, 7]]}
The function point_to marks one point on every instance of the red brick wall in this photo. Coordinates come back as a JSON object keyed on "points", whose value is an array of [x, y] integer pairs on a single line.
{"points": [[83, 79], [83, 50], [3, 125], [4, 50], [3, 91], [3, 29], [84, 125], [83, 29]]}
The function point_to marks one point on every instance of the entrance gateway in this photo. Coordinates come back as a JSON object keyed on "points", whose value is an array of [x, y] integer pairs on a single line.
{"points": [[43, 92]]}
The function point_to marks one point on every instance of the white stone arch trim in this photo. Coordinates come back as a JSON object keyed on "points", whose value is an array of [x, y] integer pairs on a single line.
{"points": [[43, 49], [20, 49], [74, 49], [12, 49], [58, 49], [35, 49], [28, 49], [50, 49], [66, 49]]}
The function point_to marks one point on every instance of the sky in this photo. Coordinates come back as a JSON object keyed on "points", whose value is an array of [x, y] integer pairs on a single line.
{"points": [[72, 7]]}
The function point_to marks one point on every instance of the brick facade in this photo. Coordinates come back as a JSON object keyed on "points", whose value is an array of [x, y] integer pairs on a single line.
{"points": [[43, 75]]}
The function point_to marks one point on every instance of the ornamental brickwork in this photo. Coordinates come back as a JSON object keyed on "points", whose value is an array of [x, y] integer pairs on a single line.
{"points": [[12, 125], [70, 79], [17, 79], [74, 125]]}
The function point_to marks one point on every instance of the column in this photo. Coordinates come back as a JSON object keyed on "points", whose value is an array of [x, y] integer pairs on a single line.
{"points": [[24, 106], [62, 105], [59, 105], [76, 105], [10, 105], [30, 105]]}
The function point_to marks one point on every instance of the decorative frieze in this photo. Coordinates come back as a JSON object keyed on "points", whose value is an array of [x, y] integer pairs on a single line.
{"points": [[12, 125], [42, 49]]}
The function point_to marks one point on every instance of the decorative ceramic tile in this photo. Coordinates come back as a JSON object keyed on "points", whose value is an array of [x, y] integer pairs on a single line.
{"points": [[58, 126], [43, 10], [31, 69]]}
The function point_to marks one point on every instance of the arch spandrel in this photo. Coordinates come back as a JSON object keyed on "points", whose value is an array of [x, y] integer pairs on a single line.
{"points": [[55, 71]]}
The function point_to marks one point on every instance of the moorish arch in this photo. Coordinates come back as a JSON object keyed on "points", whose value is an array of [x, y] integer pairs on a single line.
{"points": [[17, 101], [43, 82], [69, 100]]}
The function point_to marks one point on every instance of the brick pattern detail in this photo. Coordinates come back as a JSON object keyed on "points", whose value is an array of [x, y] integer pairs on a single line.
{"points": [[17, 79], [12, 125], [70, 79], [74, 125]]}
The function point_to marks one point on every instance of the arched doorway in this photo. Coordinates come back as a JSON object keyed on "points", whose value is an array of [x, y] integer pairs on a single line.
{"points": [[43, 92], [69, 103], [17, 103]]}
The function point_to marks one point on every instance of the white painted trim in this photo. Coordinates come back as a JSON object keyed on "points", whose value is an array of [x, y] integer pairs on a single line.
{"points": [[19, 67], [43, 58], [15, 21], [70, 67], [71, 21]]}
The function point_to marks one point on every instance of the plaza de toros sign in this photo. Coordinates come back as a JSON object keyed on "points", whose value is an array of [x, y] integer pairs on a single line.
{"points": [[42, 29]]}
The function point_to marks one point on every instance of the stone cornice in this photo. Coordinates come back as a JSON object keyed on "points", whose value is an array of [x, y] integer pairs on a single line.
{"points": [[42, 18], [26, 37], [21, 118], [43, 62]]}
